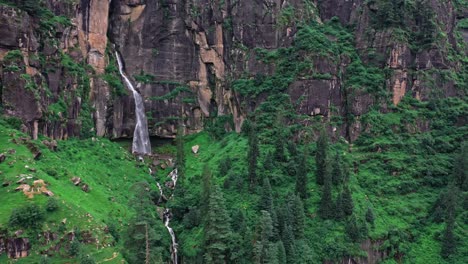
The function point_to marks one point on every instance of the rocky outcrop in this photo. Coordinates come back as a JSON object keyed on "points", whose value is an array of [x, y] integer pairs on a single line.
{"points": [[187, 53]]}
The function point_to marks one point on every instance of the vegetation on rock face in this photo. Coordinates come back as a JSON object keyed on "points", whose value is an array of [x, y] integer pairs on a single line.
{"points": [[288, 189]]}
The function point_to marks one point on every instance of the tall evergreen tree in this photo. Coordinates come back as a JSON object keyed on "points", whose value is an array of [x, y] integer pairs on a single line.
{"points": [[206, 189], [142, 242], [321, 157], [217, 229], [460, 168], [449, 245], [347, 201], [180, 154], [289, 244], [338, 169], [281, 252], [265, 250], [301, 176], [339, 212], [370, 218], [352, 229], [266, 198], [252, 156], [298, 217], [326, 207]]}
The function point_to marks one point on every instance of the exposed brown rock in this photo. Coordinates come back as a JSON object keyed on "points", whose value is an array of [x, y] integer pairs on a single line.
{"points": [[2, 157]]}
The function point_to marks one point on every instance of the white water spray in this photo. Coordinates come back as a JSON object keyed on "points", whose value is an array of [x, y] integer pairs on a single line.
{"points": [[141, 143], [167, 215]]}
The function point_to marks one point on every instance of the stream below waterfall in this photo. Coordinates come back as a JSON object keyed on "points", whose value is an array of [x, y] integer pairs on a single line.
{"points": [[167, 215]]}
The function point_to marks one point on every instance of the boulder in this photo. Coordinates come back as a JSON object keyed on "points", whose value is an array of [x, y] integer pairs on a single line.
{"points": [[195, 149], [76, 180], [2, 157], [23, 187], [85, 188]]}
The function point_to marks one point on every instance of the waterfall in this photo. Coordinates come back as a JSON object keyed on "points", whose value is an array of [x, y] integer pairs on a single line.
{"points": [[141, 143]]}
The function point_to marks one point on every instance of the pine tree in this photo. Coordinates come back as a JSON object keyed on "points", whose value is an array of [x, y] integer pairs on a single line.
{"points": [[339, 213], [326, 208], [370, 217], [266, 198], [347, 200], [264, 250], [268, 164], [301, 177], [352, 229], [206, 189], [217, 229], [449, 245], [321, 157], [279, 148], [142, 240], [337, 170], [298, 217], [252, 157], [289, 244], [180, 154], [281, 252], [460, 168]]}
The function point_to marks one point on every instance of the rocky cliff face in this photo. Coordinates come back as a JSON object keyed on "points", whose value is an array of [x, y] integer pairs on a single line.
{"points": [[184, 55]]}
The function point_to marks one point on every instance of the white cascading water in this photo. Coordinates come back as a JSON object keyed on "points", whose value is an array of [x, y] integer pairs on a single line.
{"points": [[167, 216], [141, 143]]}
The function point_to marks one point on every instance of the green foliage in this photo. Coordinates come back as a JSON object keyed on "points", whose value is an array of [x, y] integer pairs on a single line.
{"points": [[13, 56], [252, 156], [52, 204], [217, 230], [74, 248], [86, 259], [180, 153], [321, 158], [28, 216]]}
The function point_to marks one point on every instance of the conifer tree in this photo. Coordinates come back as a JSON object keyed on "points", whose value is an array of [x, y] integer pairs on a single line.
{"points": [[268, 164], [180, 154], [321, 157], [264, 250], [298, 217], [337, 170], [352, 229], [217, 229], [266, 198], [326, 208], [370, 217], [449, 244], [339, 213], [301, 177], [289, 244], [206, 189], [281, 252], [460, 168], [347, 201], [279, 150], [252, 157]]}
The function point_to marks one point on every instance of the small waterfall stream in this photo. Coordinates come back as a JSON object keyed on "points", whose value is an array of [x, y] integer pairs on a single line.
{"points": [[167, 215], [141, 143]]}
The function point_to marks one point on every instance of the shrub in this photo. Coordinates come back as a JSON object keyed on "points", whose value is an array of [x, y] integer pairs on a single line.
{"points": [[29, 216], [52, 204], [75, 248]]}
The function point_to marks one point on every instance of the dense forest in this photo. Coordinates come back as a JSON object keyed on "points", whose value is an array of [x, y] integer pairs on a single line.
{"points": [[297, 131]]}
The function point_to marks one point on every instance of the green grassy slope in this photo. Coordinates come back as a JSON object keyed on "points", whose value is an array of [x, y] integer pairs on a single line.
{"points": [[108, 169]]}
